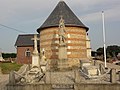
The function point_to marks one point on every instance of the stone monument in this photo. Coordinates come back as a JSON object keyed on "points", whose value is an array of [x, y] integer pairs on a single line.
{"points": [[1, 58], [38, 61], [35, 74], [62, 40], [62, 51], [35, 55]]}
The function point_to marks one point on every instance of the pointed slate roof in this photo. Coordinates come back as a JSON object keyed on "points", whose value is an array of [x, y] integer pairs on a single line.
{"points": [[62, 10]]}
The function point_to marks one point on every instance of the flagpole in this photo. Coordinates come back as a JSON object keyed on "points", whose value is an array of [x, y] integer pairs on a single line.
{"points": [[103, 21]]}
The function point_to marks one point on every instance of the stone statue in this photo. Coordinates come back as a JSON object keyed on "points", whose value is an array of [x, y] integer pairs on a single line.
{"points": [[43, 58], [62, 32], [43, 61], [62, 49], [1, 58]]}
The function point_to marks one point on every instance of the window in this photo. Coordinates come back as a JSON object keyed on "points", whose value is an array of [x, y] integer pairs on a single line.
{"points": [[27, 53]]}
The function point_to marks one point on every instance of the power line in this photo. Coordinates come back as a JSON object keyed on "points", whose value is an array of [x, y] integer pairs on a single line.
{"points": [[13, 28]]}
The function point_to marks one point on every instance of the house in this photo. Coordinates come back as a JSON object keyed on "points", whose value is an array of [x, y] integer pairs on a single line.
{"points": [[24, 46]]}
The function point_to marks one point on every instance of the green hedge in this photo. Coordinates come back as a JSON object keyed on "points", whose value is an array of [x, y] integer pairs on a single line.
{"points": [[9, 55]]}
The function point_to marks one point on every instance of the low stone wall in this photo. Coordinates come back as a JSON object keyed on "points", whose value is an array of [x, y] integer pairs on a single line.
{"points": [[97, 86], [70, 80], [76, 87], [29, 87]]}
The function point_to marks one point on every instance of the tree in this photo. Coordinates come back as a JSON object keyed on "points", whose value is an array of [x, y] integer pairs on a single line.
{"points": [[113, 50], [100, 51], [94, 53], [9, 55]]}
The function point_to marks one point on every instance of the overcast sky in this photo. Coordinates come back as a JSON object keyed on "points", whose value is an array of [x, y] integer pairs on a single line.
{"points": [[28, 15]]}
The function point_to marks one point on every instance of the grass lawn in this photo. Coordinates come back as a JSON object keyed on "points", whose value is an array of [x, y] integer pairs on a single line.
{"points": [[7, 67]]}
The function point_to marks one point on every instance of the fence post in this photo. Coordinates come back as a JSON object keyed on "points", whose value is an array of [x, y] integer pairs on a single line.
{"points": [[12, 78], [113, 75], [119, 75]]}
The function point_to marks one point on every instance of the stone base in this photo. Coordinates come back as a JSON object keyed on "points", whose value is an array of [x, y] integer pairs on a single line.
{"points": [[62, 52], [35, 60], [63, 63]]}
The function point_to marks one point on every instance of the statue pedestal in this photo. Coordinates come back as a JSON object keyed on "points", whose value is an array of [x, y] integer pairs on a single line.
{"points": [[35, 60], [62, 54], [63, 63]]}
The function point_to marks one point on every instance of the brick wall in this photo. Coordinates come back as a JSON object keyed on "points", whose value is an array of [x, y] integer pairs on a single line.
{"points": [[21, 56]]}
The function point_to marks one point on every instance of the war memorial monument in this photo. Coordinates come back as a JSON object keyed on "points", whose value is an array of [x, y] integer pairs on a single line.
{"points": [[63, 61]]}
